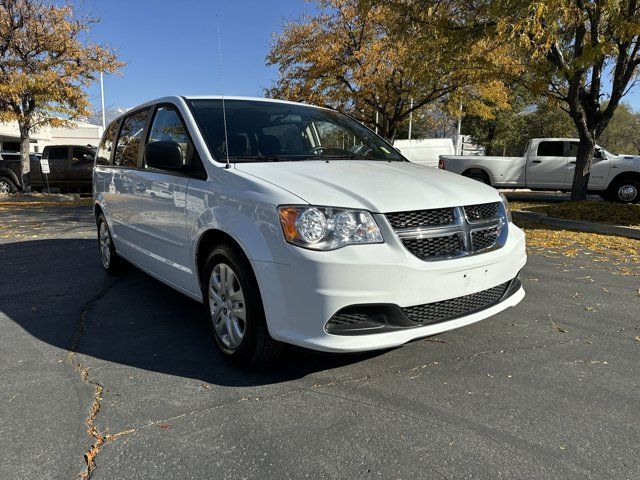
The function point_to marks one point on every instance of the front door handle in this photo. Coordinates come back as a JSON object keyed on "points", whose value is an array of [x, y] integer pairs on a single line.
{"points": [[573, 161], [536, 161]]}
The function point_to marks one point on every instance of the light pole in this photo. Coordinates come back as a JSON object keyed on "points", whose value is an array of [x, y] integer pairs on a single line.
{"points": [[104, 120], [410, 116]]}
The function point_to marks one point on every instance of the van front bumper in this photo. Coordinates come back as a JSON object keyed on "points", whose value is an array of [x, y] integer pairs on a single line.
{"points": [[397, 290]]}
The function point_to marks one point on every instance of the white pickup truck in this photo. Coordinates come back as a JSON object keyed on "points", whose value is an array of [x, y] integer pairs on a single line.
{"points": [[549, 164]]}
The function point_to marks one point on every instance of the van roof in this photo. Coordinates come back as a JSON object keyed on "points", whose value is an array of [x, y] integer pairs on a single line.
{"points": [[179, 98]]}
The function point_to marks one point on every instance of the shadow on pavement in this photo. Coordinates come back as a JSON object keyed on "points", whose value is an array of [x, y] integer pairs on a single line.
{"points": [[58, 293]]}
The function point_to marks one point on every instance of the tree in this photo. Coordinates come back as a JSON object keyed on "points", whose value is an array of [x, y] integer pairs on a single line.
{"points": [[622, 135], [45, 63], [361, 57], [574, 47], [510, 130]]}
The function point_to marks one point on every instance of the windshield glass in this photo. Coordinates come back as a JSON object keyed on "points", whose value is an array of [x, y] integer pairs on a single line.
{"points": [[260, 131]]}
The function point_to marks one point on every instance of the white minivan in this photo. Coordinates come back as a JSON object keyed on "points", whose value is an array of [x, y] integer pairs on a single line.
{"points": [[296, 224]]}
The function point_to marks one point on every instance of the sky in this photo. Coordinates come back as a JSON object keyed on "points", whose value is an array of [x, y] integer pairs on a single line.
{"points": [[171, 47]]}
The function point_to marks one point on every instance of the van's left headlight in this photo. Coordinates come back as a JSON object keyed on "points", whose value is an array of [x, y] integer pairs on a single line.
{"points": [[327, 228], [507, 207]]}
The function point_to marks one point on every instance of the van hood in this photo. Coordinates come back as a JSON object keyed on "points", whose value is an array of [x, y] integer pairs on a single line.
{"points": [[377, 186]]}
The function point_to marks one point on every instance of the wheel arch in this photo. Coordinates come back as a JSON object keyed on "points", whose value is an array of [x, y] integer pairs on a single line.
{"points": [[623, 175], [207, 241], [10, 175], [478, 171]]}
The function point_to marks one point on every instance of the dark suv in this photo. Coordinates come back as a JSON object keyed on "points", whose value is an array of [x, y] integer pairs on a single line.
{"points": [[70, 169]]}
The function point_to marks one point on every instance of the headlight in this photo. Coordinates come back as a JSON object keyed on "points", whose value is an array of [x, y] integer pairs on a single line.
{"points": [[327, 228], [507, 208]]}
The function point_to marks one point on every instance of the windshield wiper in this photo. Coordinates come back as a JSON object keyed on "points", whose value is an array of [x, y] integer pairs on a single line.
{"points": [[263, 158], [353, 156]]}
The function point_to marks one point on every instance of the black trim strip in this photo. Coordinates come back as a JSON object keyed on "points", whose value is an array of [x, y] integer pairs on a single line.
{"points": [[366, 319]]}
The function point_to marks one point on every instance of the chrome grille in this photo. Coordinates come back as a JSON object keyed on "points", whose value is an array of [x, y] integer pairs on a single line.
{"points": [[456, 307], [425, 248], [451, 232], [482, 211], [421, 218], [483, 239]]}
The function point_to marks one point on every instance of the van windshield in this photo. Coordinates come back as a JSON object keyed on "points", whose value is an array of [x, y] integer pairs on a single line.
{"points": [[262, 131]]}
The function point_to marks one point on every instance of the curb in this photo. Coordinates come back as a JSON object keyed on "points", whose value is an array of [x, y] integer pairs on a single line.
{"points": [[43, 198], [578, 225]]}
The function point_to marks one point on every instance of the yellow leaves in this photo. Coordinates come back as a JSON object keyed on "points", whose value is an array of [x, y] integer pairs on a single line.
{"points": [[48, 63]]}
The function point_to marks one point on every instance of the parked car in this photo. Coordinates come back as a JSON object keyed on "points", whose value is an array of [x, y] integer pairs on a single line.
{"points": [[549, 164], [10, 171], [296, 224], [425, 151], [70, 169]]}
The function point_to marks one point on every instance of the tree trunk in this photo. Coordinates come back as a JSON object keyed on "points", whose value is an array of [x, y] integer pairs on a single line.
{"points": [[584, 158], [389, 130], [25, 162]]}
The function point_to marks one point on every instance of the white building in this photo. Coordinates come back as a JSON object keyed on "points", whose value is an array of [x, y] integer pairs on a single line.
{"points": [[80, 133]]}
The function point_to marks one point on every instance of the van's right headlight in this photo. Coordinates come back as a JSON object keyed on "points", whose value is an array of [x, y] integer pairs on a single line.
{"points": [[507, 207], [327, 228]]}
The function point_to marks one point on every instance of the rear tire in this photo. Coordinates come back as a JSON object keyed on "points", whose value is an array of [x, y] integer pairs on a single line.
{"points": [[7, 186], [624, 190], [112, 263], [234, 308], [478, 176]]}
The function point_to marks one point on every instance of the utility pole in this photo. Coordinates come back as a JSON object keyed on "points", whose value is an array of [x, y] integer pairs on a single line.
{"points": [[104, 119], [410, 116], [458, 136]]}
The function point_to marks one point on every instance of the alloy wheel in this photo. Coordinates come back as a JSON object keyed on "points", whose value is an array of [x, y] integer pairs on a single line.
{"points": [[627, 193], [105, 244], [227, 306], [4, 187]]}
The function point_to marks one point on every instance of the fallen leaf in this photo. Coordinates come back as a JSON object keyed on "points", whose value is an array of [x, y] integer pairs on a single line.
{"points": [[489, 375], [638, 338], [164, 426], [206, 386], [559, 328], [605, 290]]}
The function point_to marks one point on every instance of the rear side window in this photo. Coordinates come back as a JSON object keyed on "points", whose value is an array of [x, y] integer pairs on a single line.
{"points": [[167, 126], [106, 145], [58, 154], [130, 139], [573, 149], [551, 149]]}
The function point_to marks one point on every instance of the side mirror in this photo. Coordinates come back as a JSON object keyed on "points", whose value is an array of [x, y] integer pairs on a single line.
{"points": [[164, 155], [87, 157], [599, 153]]}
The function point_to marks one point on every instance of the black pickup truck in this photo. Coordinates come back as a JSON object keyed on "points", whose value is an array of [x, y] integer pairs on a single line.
{"points": [[71, 169]]}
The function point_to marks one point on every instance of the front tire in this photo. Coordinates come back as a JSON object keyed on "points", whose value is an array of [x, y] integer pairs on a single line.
{"points": [[624, 190], [7, 186], [111, 261], [234, 308]]}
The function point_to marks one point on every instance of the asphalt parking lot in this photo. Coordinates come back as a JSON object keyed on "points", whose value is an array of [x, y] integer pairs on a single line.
{"points": [[123, 370]]}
